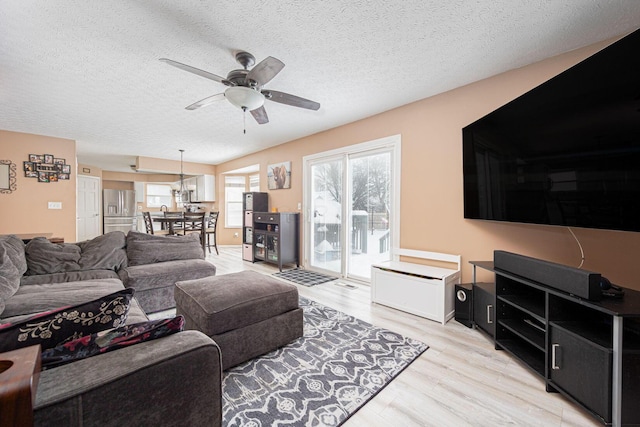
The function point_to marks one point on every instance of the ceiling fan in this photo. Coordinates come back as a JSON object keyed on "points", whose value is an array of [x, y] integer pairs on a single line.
{"points": [[245, 87]]}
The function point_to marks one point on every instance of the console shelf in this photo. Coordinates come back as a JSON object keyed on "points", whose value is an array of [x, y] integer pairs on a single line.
{"points": [[525, 304], [526, 331]]}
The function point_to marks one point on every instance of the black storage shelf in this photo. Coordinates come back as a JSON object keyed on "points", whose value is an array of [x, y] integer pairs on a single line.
{"points": [[518, 349], [529, 333], [251, 201], [525, 304], [569, 341]]}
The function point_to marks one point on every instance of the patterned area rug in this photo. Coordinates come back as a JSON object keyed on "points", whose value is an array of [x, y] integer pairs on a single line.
{"points": [[320, 379], [304, 277]]}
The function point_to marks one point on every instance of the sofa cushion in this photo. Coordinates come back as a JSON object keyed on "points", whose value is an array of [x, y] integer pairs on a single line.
{"points": [[145, 249], [152, 276], [44, 257], [109, 340], [33, 299], [13, 265], [106, 252], [52, 328], [68, 276]]}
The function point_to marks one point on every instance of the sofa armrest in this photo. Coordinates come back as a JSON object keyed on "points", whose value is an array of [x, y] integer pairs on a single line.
{"points": [[175, 380]]}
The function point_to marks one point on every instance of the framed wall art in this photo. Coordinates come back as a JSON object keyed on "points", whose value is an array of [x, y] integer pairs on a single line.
{"points": [[279, 176], [46, 168]]}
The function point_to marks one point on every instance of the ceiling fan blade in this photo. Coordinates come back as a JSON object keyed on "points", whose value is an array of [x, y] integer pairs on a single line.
{"points": [[260, 114], [266, 69], [204, 102], [286, 98], [194, 70]]}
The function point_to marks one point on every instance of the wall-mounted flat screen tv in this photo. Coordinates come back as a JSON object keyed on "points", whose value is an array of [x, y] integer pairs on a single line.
{"points": [[565, 153]]}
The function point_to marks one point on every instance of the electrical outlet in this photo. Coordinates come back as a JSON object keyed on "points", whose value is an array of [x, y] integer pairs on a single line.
{"points": [[235, 235], [55, 205], [299, 206]]}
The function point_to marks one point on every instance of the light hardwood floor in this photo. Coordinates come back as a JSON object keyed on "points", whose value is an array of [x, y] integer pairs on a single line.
{"points": [[460, 381]]}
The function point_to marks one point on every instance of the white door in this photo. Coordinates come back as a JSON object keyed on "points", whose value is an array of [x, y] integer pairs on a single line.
{"points": [[88, 208]]}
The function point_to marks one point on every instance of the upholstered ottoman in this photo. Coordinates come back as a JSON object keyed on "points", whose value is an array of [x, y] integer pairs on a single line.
{"points": [[247, 314]]}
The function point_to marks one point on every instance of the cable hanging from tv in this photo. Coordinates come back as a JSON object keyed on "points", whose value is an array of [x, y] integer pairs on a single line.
{"points": [[579, 245]]}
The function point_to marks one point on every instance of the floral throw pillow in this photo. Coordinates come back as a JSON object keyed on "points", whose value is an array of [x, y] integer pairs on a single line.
{"points": [[113, 339], [54, 327]]}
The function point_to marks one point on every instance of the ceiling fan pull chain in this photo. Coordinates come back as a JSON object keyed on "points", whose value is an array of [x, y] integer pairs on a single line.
{"points": [[244, 119]]}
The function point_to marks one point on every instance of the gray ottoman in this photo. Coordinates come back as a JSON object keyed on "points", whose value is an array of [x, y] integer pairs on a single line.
{"points": [[247, 314]]}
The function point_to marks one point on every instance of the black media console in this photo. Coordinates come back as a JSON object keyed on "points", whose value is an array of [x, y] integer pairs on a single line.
{"points": [[587, 350]]}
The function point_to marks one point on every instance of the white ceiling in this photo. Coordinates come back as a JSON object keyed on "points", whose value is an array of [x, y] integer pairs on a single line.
{"points": [[88, 70]]}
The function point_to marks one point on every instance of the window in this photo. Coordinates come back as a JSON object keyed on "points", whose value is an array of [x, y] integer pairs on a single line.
{"points": [[158, 195], [254, 182], [234, 186]]}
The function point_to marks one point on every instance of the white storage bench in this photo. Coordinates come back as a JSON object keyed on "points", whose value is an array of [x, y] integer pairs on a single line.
{"points": [[418, 289]]}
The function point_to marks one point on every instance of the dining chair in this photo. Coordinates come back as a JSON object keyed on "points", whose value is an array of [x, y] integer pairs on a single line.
{"points": [[194, 222], [148, 225], [210, 230]]}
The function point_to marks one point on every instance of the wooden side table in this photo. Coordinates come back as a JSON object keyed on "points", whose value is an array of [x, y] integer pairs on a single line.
{"points": [[19, 375]]}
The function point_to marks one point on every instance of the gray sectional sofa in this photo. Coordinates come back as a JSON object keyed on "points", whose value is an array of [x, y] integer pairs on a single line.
{"points": [[175, 380]]}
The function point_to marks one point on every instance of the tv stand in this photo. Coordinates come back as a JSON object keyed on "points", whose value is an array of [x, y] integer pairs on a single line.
{"points": [[589, 351]]}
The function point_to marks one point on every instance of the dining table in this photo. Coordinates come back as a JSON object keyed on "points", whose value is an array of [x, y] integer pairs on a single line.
{"points": [[170, 221]]}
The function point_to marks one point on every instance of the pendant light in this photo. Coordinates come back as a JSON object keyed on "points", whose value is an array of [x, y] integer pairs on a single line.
{"points": [[184, 194]]}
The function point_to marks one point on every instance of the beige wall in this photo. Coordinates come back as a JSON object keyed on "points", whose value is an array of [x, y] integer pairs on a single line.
{"points": [[89, 170], [26, 210], [431, 195], [150, 164]]}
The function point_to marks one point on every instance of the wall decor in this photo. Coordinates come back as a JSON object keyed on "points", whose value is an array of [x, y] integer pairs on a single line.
{"points": [[46, 168], [7, 176], [279, 176]]}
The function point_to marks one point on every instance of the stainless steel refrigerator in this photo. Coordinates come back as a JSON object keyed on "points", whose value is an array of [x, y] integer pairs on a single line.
{"points": [[119, 210]]}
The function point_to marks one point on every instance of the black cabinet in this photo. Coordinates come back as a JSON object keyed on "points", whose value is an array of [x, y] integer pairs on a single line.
{"points": [[484, 306], [275, 237], [251, 202], [582, 369], [587, 350]]}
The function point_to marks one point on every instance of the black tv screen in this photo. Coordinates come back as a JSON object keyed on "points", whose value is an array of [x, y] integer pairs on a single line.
{"points": [[565, 153]]}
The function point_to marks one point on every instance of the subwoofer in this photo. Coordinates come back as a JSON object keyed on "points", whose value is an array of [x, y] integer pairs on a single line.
{"points": [[464, 304]]}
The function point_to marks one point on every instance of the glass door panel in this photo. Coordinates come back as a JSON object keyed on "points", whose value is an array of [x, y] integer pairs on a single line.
{"points": [[260, 246], [370, 188], [272, 248], [326, 215]]}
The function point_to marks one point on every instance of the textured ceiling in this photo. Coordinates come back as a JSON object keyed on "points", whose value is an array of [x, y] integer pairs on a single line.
{"points": [[88, 70]]}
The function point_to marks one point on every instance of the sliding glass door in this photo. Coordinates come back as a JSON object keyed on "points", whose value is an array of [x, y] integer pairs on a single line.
{"points": [[351, 209], [326, 215]]}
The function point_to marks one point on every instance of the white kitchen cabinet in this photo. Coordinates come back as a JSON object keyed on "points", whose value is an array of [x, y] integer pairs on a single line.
{"points": [[205, 189], [138, 186]]}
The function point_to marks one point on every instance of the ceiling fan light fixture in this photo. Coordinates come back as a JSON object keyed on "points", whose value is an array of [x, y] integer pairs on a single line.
{"points": [[244, 97]]}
